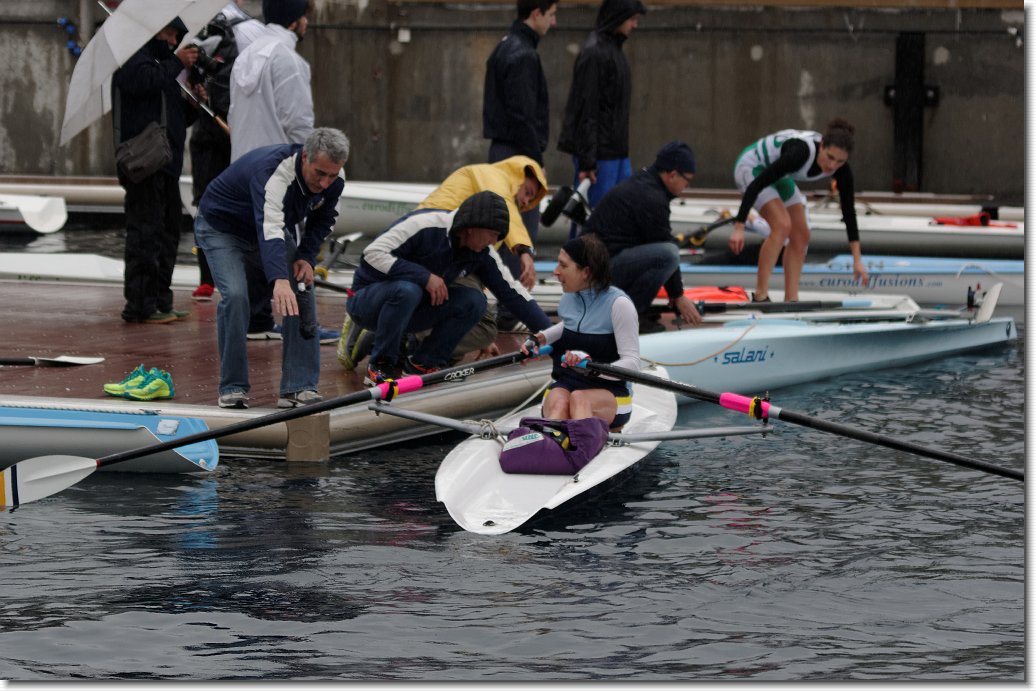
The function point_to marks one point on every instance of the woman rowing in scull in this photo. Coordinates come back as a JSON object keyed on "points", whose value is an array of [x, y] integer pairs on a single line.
{"points": [[766, 172], [598, 321]]}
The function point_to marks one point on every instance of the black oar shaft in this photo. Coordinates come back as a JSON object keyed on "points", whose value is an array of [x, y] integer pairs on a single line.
{"points": [[767, 306], [377, 392], [324, 283], [697, 237], [802, 419]]}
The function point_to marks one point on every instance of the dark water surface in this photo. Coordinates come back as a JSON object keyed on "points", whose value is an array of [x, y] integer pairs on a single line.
{"points": [[802, 556]]}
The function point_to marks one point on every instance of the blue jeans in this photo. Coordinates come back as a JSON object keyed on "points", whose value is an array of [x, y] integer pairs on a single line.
{"points": [[236, 266], [610, 172], [640, 271], [394, 308]]}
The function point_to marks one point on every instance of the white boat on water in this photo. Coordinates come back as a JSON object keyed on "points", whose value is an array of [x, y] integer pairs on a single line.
{"points": [[928, 280], [482, 498], [754, 353]]}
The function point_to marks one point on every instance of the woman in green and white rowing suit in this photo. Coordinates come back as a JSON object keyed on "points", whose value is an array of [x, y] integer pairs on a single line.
{"points": [[766, 173]]}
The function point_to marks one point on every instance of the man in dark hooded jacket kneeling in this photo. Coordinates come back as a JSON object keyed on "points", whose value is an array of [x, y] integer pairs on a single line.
{"points": [[405, 283]]}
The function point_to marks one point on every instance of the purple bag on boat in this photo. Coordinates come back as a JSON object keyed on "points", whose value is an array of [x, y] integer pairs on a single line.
{"points": [[556, 447]]}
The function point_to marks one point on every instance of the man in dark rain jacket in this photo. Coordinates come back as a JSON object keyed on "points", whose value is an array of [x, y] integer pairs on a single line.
{"points": [[515, 105], [141, 89], [595, 129], [633, 222]]}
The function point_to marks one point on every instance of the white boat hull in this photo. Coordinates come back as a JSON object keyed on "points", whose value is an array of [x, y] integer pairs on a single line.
{"points": [[928, 280], [483, 499], [891, 235], [754, 356], [368, 208]]}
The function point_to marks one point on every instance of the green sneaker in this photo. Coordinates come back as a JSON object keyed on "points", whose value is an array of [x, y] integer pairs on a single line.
{"points": [[134, 379], [179, 314], [158, 385], [160, 318], [354, 344]]}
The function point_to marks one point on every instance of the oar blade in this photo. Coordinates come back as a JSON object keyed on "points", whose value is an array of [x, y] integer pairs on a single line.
{"points": [[39, 477]]}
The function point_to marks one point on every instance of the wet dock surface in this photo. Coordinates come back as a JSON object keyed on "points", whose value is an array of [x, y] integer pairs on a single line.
{"points": [[49, 319]]}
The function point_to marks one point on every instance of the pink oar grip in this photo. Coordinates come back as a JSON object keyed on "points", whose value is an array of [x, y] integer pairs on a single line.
{"points": [[739, 402], [410, 383]]}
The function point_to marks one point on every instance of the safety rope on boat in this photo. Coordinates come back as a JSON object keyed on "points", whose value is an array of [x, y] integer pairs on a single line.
{"points": [[703, 358], [487, 428]]}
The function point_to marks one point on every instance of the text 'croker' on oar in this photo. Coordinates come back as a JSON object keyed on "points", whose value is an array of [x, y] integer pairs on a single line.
{"points": [[38, 477], [764, 410]]}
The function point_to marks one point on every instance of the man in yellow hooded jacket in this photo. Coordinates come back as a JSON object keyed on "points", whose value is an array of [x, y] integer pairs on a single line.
{"points": [[521, 182]]}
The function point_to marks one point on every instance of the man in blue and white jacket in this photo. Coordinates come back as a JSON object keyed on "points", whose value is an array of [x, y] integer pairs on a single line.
{"points": [[406, 283], [260, 224]]}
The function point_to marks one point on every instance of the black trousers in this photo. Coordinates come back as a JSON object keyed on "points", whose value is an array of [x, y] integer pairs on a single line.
{"points": [[153, 216]]}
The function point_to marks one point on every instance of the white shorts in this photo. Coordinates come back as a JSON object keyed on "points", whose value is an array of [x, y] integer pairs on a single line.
{"points": [[744, 174]]}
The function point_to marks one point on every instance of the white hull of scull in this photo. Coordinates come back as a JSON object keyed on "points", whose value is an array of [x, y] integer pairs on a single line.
{"points": [[483, 499]]}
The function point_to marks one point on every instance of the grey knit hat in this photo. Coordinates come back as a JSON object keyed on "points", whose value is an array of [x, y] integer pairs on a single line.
{"points": [[484, 209]]}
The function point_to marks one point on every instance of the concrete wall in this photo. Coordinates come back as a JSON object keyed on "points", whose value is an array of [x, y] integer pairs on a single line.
{"points": [[717, 77]]}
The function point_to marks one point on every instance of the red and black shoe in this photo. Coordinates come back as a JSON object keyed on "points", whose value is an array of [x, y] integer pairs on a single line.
{"points": [[412, 368], [378, 372]]}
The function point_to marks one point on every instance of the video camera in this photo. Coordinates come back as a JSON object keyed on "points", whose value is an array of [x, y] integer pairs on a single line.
{"points": [[572, 203]]}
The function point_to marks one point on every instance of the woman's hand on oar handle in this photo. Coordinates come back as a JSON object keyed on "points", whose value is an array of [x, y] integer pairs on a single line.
{"points": [[534, 344], [575, 359], [737, 238]]}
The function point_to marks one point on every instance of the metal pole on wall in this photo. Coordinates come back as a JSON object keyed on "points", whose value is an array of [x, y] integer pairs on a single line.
{"points": [[86, 20]]}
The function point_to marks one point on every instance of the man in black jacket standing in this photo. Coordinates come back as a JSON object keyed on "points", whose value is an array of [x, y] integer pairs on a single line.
{"points": [[596, 125], [633, 221], [145, 90], [515, 104]]}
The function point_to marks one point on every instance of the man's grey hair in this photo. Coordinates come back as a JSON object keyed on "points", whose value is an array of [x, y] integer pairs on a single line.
{"points": [[328, 141]]}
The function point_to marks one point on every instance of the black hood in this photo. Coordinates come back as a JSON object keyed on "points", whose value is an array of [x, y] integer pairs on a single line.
{"points": [[614, 12]]}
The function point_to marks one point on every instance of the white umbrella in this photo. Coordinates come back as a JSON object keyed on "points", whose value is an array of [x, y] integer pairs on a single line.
{"points": [[130, 26]]}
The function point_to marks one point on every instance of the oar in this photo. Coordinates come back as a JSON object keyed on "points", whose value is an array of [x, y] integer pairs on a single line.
{"points": [[38, 477], [764, 410], [41, 214], [789, 306], [324, 283], [697, 237], [60, 360]]}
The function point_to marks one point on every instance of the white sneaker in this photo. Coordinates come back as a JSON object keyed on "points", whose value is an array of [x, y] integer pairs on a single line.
{"points": [[233, 400], [294, 399]]}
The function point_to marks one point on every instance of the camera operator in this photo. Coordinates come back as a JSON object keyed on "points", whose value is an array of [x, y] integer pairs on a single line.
{"points": [[219, 44]]}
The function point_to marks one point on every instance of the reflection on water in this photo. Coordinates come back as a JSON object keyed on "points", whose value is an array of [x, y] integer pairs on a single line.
{"points": [[801, 556]]}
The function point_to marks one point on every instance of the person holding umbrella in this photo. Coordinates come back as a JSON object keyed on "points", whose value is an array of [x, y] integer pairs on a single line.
{"points": [[144, 91]]}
